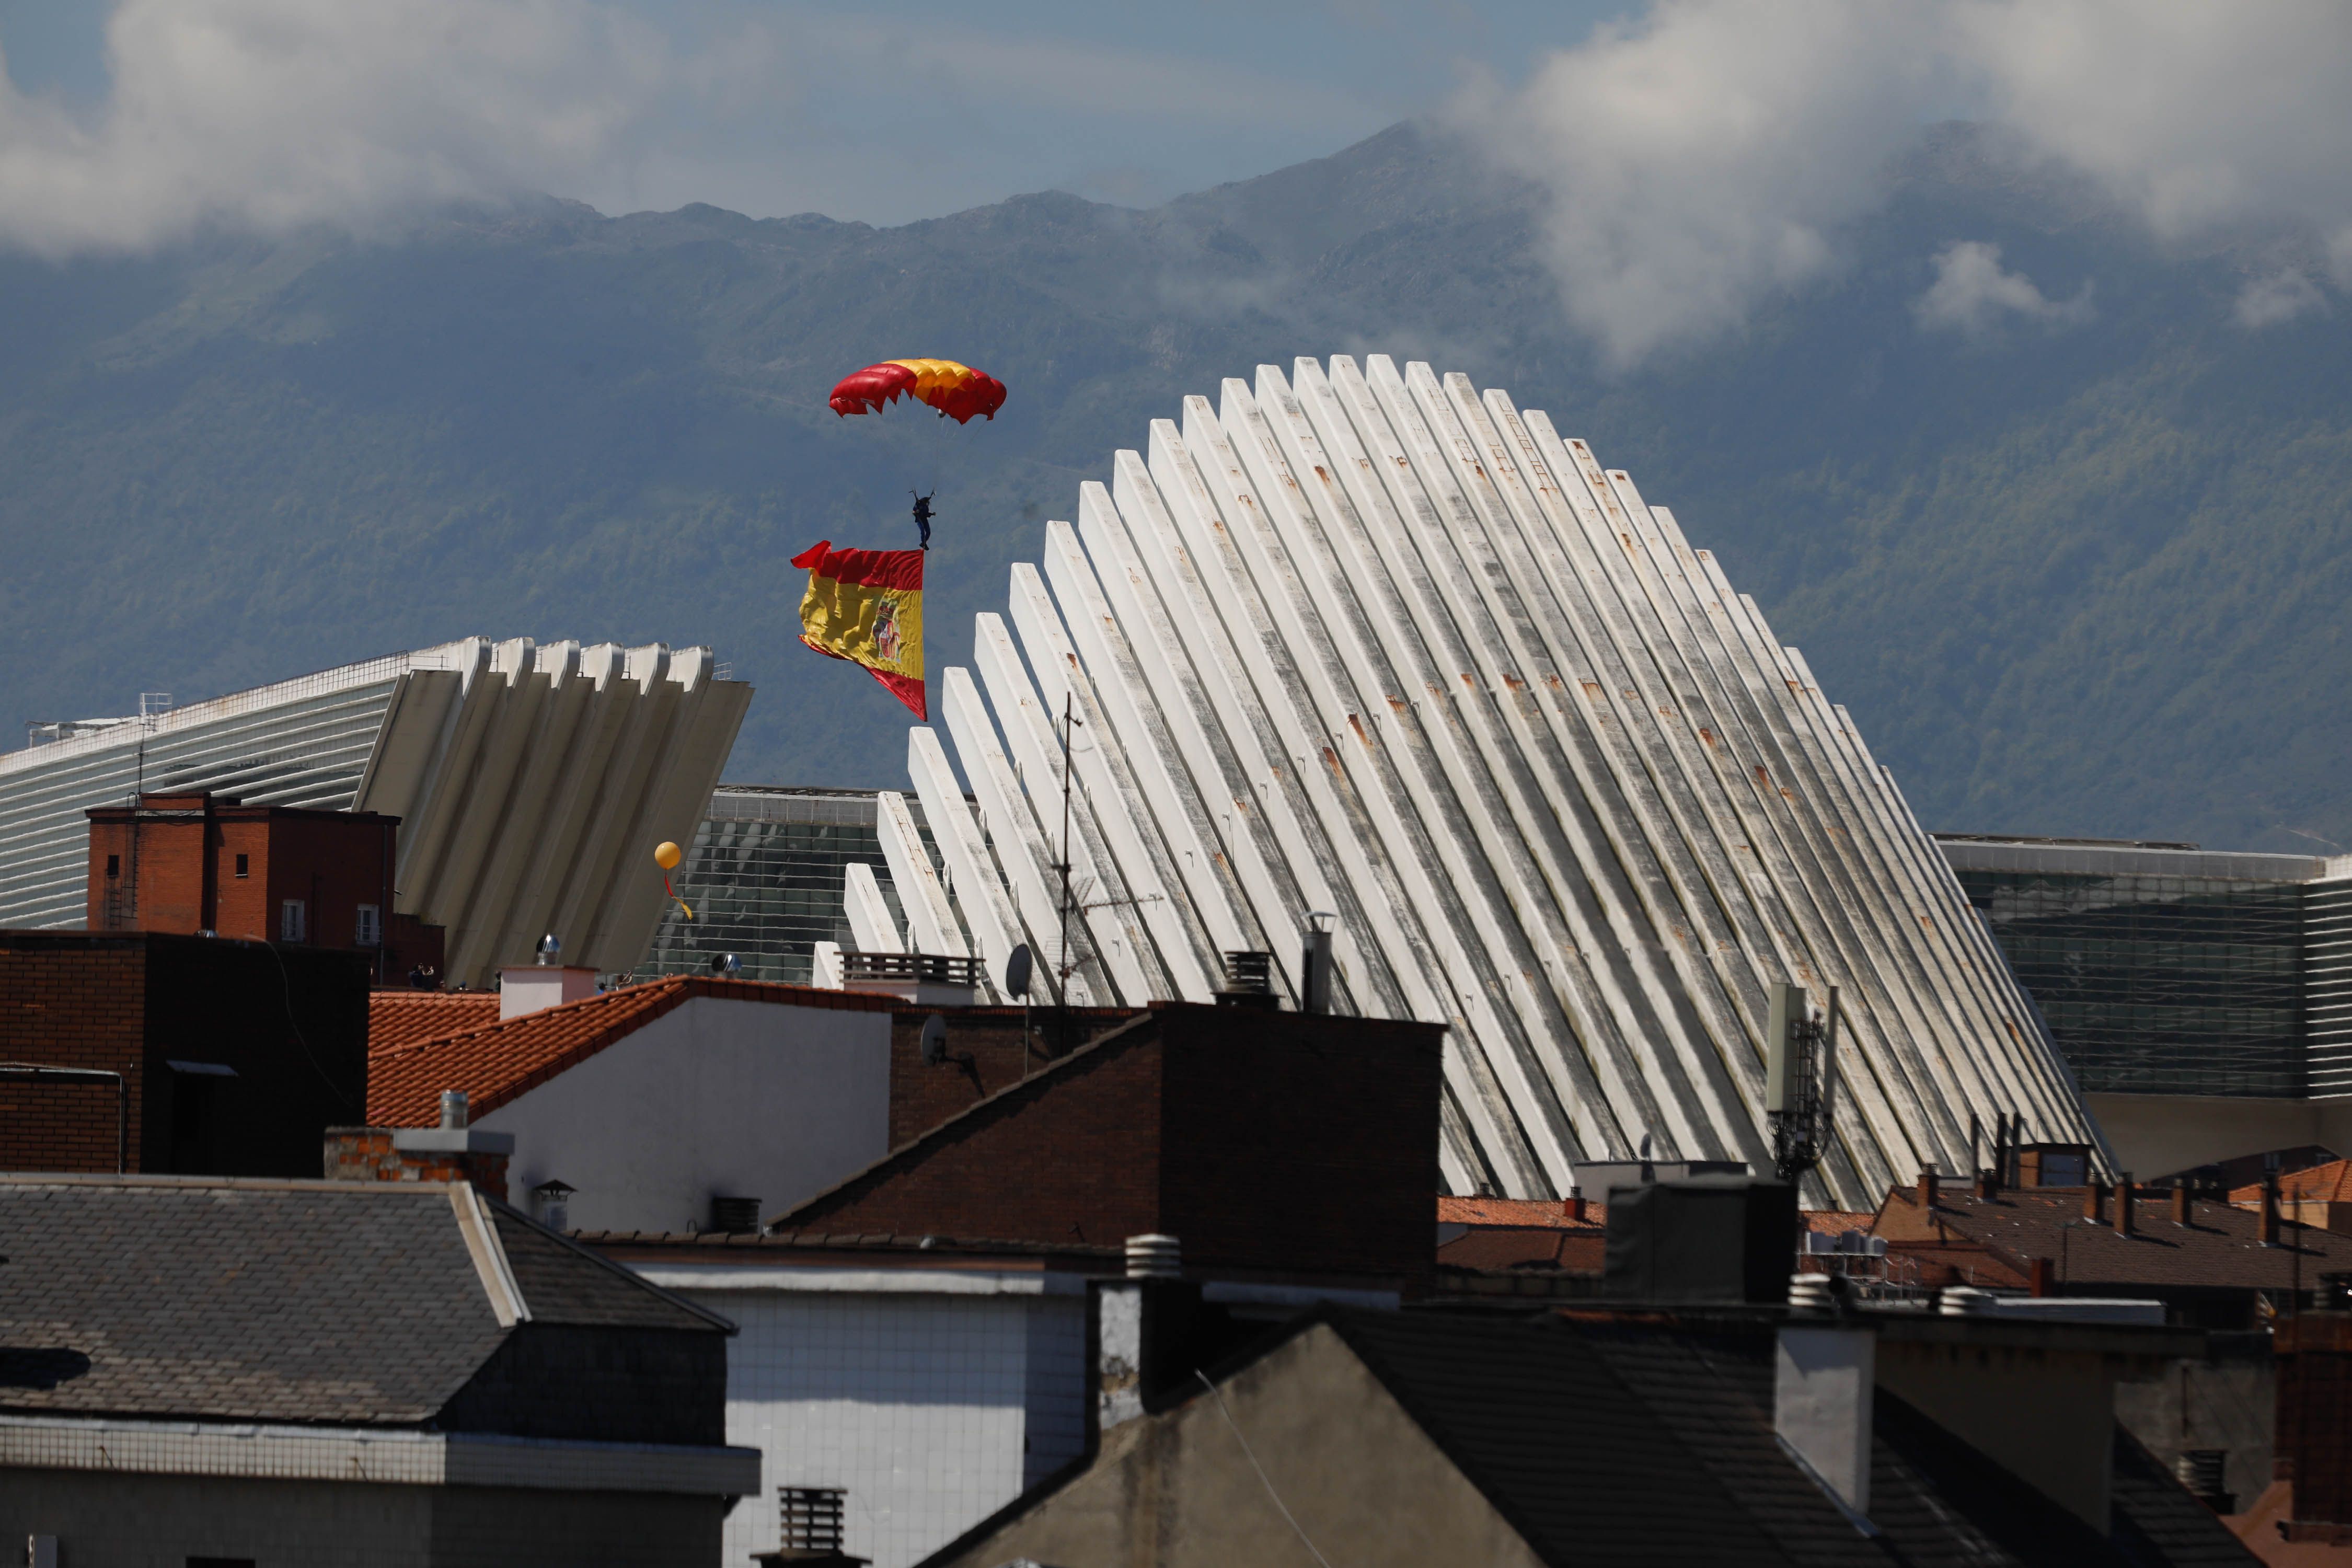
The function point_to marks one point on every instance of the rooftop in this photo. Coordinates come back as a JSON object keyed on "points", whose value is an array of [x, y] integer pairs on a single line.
{"points": [[354, 1303], [2330, 1182], [2220, 1247], [496, 1062]]}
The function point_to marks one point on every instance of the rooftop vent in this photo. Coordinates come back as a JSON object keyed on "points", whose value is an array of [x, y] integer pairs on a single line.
{"points": [[1249, 981], [550, 1204], [550, 949], [453, 1110], [1154, 1258], [735, 1216]]}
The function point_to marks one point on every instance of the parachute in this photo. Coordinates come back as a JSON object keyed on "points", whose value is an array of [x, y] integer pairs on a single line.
{"points": [[957, 390]]}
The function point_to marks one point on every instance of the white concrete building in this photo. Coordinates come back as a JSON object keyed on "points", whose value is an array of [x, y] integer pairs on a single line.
{"points": [[653, 1100], [532, 781], [1358, 639]]}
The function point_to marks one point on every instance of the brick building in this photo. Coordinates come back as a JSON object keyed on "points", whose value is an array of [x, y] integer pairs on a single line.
{"points": [[914, 1341], [1262, 1140], [234, 1057], [196, 862]]}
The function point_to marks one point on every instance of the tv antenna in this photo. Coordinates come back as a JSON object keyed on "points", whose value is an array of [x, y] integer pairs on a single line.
{"points": [[1799, 1080]]}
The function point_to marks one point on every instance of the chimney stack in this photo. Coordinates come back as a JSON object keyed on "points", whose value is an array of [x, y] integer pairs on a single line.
{"points": [[452, 1111], [2271, 1209], [2041, 1284], [2124, 1203], [2094, 1200], [1824, 1380], [1927, 1186], [2184, 1205]]}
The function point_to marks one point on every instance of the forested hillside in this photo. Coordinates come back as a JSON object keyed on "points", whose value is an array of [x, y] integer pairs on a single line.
{"points": [[2083, 574]]}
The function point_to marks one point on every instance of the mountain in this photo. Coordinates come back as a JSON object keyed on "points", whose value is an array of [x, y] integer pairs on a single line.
{"points": [[2086, 578]]}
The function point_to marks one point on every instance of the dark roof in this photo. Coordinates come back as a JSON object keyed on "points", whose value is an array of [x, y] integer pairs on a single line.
{"points": [[1551, 1248], [1606, 1439], [2220, 1247], [296, 1301]]}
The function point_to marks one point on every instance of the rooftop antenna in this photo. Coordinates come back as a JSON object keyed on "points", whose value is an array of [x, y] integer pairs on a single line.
{"points": [[1799, 1080]]}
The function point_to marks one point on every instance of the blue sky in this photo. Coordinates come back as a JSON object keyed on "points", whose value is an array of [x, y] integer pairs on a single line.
{"points": [[903, 109]]}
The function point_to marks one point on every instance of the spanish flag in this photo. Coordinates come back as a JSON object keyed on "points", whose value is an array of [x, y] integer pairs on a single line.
{"points": [[866, 606]]}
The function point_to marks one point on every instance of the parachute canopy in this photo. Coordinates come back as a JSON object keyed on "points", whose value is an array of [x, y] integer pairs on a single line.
{"points": [[957, 390]]}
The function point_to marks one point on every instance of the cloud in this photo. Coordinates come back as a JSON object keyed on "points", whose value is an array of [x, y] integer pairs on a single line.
{"points": [[269, 113], [2277, 298], [1715, 152], [1974, 295]]}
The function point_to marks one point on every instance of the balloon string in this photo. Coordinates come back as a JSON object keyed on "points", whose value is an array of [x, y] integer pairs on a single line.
{"points": [[673, 893]]}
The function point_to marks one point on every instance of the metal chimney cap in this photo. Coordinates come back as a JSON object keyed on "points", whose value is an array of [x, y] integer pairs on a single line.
{"points": [[453, 1110], [552, 1189], [1154, 1256], [550, 949]]}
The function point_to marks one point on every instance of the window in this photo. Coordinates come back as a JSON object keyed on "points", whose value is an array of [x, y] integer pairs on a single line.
{"points": [[114, 865], [368, 929], [293, 920], [810, 1518], [242, 862]]}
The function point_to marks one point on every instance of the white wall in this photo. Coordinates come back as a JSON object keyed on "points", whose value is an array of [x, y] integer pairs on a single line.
{"points": [[743, 1098], [931, 1411]]}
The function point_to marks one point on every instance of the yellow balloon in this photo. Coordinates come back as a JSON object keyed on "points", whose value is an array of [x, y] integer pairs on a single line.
{"points": [[667, 855]]}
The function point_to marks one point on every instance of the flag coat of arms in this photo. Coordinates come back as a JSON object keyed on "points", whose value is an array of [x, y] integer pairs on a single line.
{"points": [[866, 606]]}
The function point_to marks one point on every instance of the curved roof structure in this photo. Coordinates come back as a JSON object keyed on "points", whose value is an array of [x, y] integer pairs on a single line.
{"points": [[1363, 640]]}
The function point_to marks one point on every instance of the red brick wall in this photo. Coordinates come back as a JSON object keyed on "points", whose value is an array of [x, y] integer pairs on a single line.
{"points": [[922, 1094], [366, 1155], [79, 1004], [1259, 1140], [1300, 1143], [1078, 1164]]}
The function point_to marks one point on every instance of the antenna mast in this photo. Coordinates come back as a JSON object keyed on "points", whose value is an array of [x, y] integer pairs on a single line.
{"points": [[1799, 1080]]}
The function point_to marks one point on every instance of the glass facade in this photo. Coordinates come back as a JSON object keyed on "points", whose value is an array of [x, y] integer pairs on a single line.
{"points": [[765, 877], [2157, 983]]}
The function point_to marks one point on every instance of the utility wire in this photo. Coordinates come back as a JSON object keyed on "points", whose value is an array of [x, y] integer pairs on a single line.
{"points": [[1263, 1481]]}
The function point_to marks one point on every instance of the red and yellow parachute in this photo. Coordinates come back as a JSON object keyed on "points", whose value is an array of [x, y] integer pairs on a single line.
{"points": [[957, 390]]}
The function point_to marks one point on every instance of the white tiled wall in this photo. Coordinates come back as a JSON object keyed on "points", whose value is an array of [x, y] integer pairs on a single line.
{"points": [[931, 1411]]}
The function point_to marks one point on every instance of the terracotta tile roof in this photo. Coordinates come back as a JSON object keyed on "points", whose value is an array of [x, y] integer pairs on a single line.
{"points": [[2331, 1183], [410, 1017], [2220, 1247], [500, 1061], [1518, 1213], [1837, 1222], [1492, 1249]]}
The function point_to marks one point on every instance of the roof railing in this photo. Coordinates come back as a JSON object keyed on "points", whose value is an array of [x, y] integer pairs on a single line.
{"points": [[924, 968]]}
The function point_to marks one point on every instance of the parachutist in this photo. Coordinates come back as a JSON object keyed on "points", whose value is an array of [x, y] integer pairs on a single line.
{"points": [[923, 515]]}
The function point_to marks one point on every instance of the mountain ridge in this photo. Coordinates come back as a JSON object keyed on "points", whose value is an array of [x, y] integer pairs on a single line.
{"points": [[2083, 579]]}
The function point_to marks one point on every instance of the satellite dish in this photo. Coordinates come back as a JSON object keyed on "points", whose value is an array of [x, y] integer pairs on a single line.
{"points": [[935, 1040], [726, 963], [1016, 972]]}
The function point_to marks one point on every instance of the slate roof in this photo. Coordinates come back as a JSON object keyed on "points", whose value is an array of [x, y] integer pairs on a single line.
{"points": [[497, 1062], [350, 1303], [2220, 1247], [1604, 1440]]}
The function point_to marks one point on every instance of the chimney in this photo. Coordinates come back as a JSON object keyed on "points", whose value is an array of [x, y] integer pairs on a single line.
{"points": [[2039, 1276], [2271, 1209], [548, 982], [550, 1204], [2124, 1195], [1823, 1382], [1987, 1185], [1315, 964], [2094, 1200], [2314, 1352], [1927, 1186], [452, 1111], [1144, 1326], [1573, 1207], [2184, 1204]]}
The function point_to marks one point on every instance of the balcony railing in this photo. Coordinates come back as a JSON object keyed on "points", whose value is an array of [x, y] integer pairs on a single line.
{"points": [[924, 968]]}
